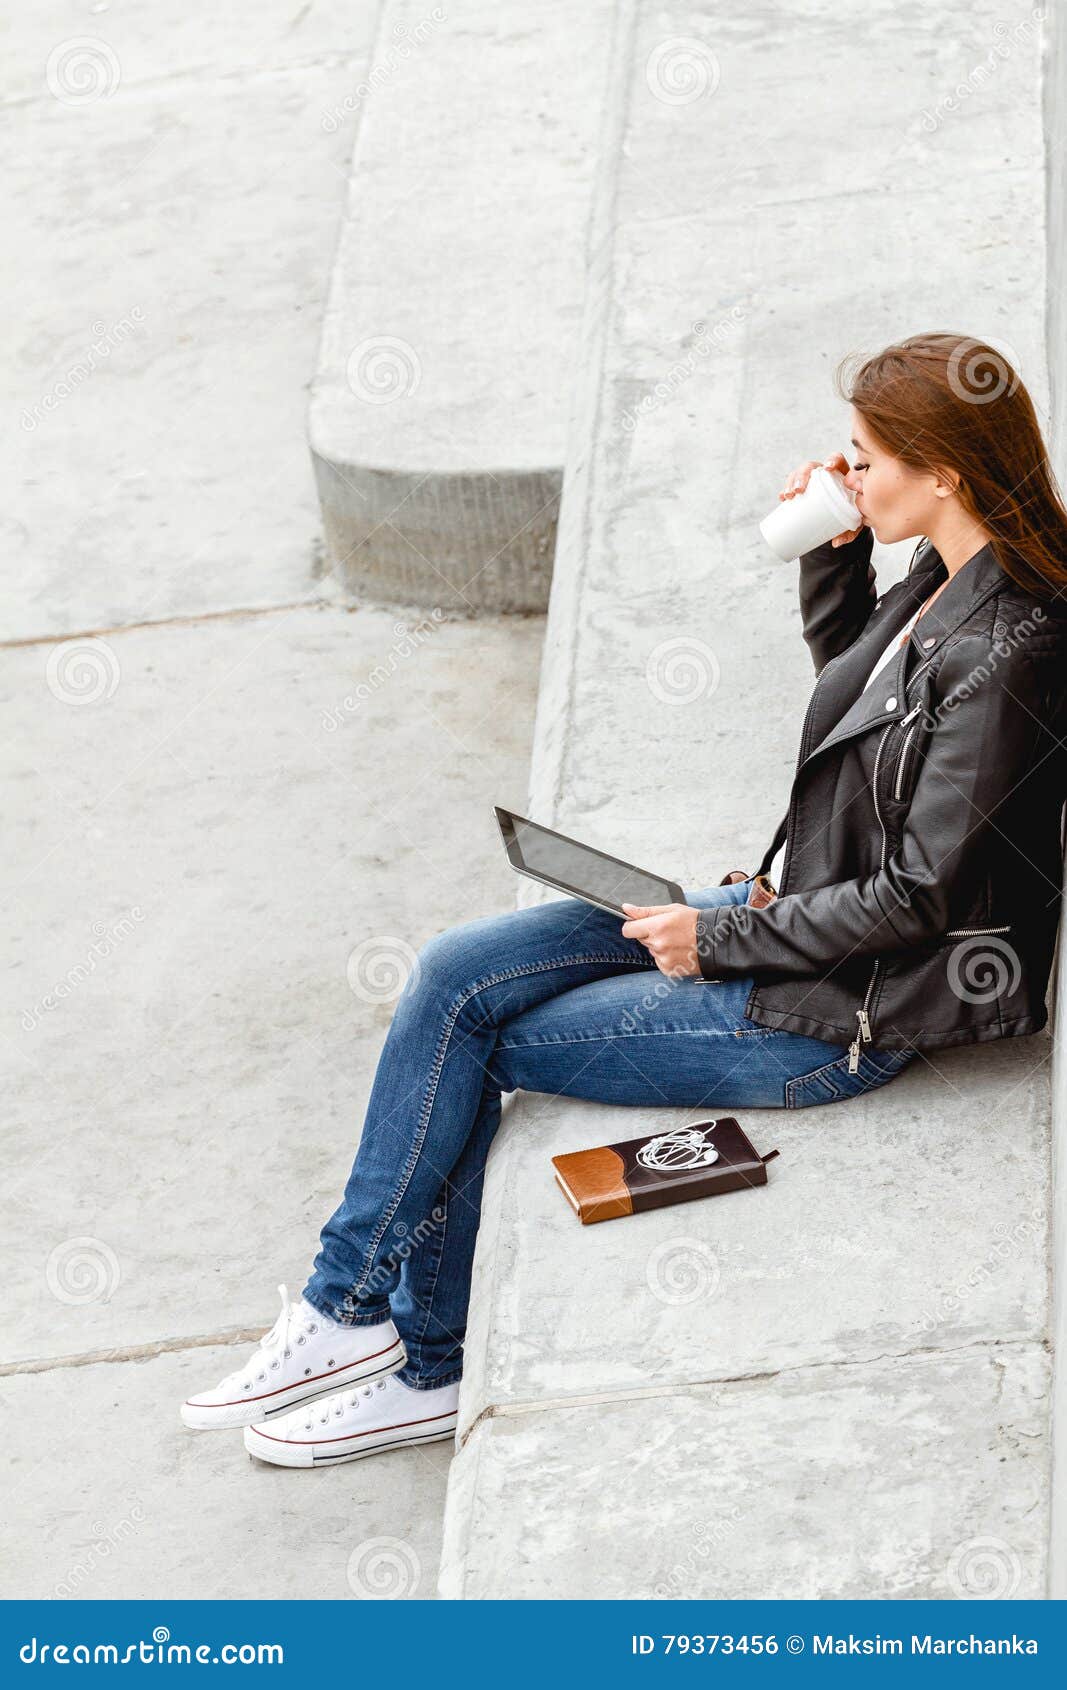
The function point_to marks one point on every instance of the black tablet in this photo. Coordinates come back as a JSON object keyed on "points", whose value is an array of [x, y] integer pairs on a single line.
{"points": [[579, 869]]}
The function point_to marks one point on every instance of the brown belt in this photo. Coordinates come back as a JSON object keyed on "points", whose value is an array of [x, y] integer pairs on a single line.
{"points": [[761, 893]]}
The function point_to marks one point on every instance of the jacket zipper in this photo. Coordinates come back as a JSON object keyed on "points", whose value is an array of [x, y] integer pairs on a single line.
{"points": [[971, 932], [862, 1014], [904, 749], [864, 1019], [790, 820]]}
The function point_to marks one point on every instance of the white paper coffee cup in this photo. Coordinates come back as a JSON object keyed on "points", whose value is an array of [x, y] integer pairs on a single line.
{"points": [[824, 509]]}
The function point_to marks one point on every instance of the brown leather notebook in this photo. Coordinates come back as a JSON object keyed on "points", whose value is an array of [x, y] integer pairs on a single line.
{"points": [[649, 1173]]}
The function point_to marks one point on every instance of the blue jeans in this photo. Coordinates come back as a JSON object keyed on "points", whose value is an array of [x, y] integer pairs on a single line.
{"points": [[551, 998]]}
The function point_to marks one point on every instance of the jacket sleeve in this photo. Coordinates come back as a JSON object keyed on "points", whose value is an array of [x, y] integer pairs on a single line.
{"points": [[985, 722], [837, 595]]}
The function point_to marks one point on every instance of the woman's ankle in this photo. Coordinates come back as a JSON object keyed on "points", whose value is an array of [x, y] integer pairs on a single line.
{"points": [[342, 1314], [416, 1384]]}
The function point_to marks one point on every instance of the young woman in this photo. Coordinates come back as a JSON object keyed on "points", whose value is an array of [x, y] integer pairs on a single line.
{"points": [[909, 900]]}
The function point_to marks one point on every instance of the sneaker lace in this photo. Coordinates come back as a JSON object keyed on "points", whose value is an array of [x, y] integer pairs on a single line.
{"points": [[345, 1400], [292, 1327]]}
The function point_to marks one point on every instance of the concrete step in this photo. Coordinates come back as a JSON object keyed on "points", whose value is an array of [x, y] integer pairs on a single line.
{"points": [[167, 273], [439, 411], [823, 1481], [225, 868], [853, 1402], [160, 1512]]}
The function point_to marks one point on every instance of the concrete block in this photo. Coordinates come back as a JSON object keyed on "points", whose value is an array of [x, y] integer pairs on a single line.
{"points": [[879, 1233], [924, 1478], [439, 412], [900, 1252]]}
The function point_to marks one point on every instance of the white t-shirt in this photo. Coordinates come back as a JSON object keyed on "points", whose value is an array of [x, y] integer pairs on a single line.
{"points": [[897, 640]]}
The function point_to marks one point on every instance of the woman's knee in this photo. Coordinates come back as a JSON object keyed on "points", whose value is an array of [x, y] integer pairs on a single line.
{"points": [[531, 929], [466, 953], [446, 956]]}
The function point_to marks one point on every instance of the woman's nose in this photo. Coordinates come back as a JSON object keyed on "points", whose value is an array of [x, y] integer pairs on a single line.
{"points": [[853, 481]]}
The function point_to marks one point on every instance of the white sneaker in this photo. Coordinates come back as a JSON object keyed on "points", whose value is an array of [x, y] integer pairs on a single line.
{"points": [[356, 1423], [305, 1355]]}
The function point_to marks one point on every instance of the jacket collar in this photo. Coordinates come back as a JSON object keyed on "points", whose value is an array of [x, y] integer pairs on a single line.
{"points": [[885, 699], [972, 582]]}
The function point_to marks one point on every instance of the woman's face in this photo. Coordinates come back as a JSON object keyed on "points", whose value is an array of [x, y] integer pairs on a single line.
{"points": [[897, 502]]}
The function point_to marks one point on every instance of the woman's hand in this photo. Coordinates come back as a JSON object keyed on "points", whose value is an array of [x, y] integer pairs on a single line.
{"points": [[798, 480], [669, 931]]}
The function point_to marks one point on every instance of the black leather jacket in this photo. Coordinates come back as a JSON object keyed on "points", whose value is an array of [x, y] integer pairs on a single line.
{"points": [[920, 892]]}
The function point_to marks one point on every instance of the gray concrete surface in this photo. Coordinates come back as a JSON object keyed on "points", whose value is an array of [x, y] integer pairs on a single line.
{"points": [[893, 1278], [227, 830], [828, 1264], [439, 411], [199, 866], [108, 1496], [698, 1491], [198, 857], [199, 861], [167, 273]]}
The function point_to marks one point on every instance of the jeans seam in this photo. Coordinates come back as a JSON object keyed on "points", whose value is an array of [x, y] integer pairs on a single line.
{"points": [[819, 1073], [435, 1075], [432, 1384], [797, 1080], [427, 1306], [643, 1033], [346, 1317]]}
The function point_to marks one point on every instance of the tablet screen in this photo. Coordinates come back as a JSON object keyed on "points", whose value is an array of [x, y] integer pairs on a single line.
{"points": [[584, 870]]}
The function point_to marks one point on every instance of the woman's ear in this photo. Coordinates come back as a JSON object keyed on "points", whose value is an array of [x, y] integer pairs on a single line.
{"points": [[946, 484]]}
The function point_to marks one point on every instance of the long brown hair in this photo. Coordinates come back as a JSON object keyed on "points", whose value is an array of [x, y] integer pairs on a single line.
{"points": [[953, 403]]}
